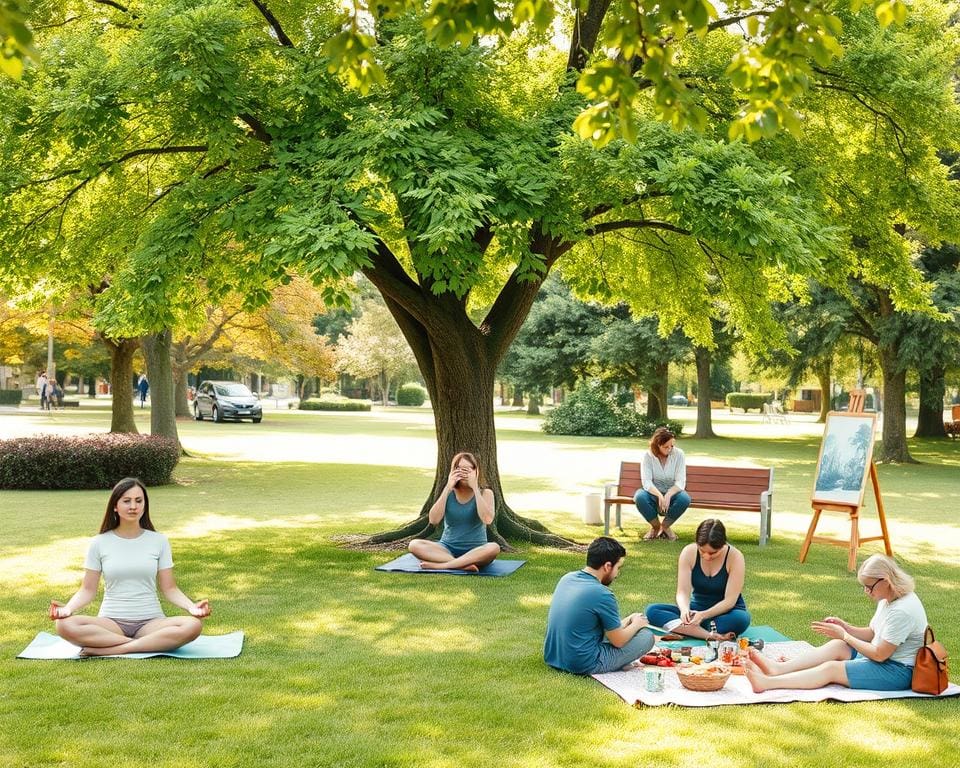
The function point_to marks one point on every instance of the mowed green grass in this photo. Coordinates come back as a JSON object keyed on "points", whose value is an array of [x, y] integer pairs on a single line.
{"points": [[346, 666]]}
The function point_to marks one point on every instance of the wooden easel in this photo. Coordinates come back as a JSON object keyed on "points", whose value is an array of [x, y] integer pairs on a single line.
{"points": [[856, 406]]}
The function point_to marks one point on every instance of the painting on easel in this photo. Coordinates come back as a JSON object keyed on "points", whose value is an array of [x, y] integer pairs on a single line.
{"points": [[846, 455]]}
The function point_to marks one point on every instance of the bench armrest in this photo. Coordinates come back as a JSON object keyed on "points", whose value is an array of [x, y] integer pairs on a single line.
{"points": [[610, 489]]}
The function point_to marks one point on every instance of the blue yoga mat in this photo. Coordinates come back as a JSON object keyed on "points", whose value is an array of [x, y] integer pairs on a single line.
{"points": [[408, 563], [760, 632], [47, 646]]}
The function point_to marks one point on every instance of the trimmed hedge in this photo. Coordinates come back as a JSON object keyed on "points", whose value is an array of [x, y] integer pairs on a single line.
{"points": [[591, 410], [54, 462], [411, 394], [11, 396], [748, 400], [325, 404]]}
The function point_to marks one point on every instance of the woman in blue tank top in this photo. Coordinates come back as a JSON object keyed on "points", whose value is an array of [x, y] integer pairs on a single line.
{"points": [[465, 511], [710, 577]]}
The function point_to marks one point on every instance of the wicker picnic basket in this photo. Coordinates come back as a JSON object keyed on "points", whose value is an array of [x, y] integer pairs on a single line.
{"points": [[703, 678]]}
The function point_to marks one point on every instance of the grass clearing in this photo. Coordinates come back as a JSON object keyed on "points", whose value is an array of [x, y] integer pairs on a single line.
{"points": [[345, 666]]}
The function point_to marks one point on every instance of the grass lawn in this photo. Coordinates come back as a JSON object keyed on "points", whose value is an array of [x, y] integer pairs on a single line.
{"points": [[345, 666]]}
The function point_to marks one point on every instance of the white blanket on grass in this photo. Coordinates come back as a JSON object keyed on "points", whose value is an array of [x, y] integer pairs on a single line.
{"points": [[629, 686]]}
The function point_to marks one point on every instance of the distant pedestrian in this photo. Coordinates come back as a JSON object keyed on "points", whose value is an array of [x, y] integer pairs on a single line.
{"points": [[42, 389], [143, 386]]}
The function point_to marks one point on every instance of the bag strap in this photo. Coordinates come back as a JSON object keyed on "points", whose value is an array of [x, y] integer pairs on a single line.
{"points": [[928, 635]]}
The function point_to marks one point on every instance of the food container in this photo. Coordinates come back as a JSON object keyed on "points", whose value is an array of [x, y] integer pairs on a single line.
{"points": [[653, 678], [710, 677], [728, 652]]}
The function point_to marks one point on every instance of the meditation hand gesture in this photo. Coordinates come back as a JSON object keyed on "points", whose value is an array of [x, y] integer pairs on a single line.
{"points": [[58, 610], [201, 609]]}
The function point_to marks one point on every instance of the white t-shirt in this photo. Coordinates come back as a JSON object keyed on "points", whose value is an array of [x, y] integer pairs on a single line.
{"points": [[129, 568], [902, 623]]}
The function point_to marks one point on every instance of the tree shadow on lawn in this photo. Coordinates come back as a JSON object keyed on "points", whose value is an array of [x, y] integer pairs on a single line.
{"points": [[351, 666]]}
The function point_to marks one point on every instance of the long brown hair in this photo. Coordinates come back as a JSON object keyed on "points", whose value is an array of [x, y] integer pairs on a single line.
{"points": [[111, 519]]}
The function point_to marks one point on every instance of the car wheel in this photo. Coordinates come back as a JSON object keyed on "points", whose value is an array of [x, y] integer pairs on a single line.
{"points": [[256, 419], [216, 415], [196, 413]]}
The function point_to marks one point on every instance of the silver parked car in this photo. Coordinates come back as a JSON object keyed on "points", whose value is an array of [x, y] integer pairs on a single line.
{"points": [[226, 400]]}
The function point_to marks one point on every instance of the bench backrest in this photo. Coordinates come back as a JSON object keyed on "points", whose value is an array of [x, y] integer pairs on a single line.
{"points": [[734, 486]]}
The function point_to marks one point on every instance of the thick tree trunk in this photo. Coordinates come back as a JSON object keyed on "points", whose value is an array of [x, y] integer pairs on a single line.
{"points": [[932, 390], [533, 404], [121, 383], [704, 414], [822, 372], [458, 362], [894, 448], [657, 394], [517, 397], [181, 405], [156, 351]]}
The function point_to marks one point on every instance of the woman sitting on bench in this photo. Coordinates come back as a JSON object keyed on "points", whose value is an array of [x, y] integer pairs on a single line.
{"points": [[879, 657], [134, 559], [710, 577], [663, 475], [466, 510]]}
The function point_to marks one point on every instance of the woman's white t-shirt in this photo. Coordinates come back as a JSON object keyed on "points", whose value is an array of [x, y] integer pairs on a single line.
{"points": [[129, 568], [902, 623]]}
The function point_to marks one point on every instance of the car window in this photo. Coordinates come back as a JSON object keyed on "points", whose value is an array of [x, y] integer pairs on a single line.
{"points": [[232, 390]]}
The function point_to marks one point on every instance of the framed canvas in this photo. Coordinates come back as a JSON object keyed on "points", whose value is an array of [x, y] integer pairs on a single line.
{"points": [[846, 453]]}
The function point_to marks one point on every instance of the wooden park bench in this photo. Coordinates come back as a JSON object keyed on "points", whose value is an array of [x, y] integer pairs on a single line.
{"points": [[748, 489]]}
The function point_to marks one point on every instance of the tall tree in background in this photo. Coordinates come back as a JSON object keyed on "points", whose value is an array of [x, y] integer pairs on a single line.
{"points": [[242, 158]]}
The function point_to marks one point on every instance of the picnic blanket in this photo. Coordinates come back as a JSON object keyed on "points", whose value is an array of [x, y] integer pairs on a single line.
{"points": [[629, 686], [408, 563], [47, 646]]}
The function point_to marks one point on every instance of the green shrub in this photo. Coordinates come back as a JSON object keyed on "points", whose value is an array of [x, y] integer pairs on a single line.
{"points": [[11, 396], [411, 394], [330, 404], [54, 462], [748, 400], [590, 410]]}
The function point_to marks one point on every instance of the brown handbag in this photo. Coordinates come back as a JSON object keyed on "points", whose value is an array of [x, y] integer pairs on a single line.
{"points": [[930, 669]]}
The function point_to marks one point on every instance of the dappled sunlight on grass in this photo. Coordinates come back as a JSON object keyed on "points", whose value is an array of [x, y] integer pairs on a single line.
{"points": [[347, 666]]}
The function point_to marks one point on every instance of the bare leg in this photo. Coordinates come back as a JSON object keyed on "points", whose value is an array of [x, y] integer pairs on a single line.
{"points": [[90, 631], [813, 677], [654, 531], [157, 635], [832, 650], [666, 530], [473, 560]]}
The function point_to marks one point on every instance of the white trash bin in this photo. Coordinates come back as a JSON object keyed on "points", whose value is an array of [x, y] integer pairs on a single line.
{"points": [[593, 509]]}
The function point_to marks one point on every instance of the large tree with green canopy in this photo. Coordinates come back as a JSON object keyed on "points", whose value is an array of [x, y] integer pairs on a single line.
{"points": [[215, 140]]}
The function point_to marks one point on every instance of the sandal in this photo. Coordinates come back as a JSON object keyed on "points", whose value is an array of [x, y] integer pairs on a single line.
{"points": [[668, 534], [651, 535]]}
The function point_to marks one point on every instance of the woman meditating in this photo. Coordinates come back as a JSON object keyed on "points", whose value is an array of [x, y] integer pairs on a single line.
{"points": [[134, 559], [710, 576], [663, 475], [879, 657], [465, 510]]}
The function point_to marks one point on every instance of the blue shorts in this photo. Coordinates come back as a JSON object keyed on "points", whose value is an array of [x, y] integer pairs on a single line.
{"points": [[458, 551], [889, 675]]}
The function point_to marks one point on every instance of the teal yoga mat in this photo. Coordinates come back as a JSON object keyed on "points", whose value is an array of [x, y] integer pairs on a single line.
{"points": [[47, 646], [760, 632], [409, 564]]}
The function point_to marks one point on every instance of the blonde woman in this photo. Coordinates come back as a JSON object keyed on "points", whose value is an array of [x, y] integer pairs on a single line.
{"points": [[465, 509], [877, 657]]}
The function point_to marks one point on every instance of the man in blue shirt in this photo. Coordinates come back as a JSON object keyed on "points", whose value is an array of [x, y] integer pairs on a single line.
{"points": [[585, 634]]}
